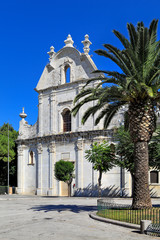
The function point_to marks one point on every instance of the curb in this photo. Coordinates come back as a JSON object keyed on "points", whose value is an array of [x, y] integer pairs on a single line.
{"points": [[115, 222]]}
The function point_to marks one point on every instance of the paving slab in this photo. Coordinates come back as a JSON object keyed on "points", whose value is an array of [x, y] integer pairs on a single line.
{"points": [[38, 218]]}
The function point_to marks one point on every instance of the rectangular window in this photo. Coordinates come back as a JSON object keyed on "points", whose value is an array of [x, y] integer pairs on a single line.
{"points": [[154, 177]]}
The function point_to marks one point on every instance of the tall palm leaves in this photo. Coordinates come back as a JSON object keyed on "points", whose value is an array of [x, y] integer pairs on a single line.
{"points": [[136, 86]]}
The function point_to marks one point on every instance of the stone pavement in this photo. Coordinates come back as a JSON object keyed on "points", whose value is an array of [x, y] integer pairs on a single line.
{"points": [[38, 218]]}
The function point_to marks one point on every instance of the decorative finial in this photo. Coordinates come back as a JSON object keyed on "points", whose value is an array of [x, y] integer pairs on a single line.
{"points": [[23, 115], [86, 44], [69, 42], [51, 53]]}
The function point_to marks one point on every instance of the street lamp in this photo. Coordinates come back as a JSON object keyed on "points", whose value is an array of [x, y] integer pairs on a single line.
{"points": [[8, 157]]}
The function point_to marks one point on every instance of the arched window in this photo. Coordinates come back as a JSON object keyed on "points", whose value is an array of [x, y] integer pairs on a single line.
{"points": [[31, 157], [154, 177], [67, 73], [66, 120]]}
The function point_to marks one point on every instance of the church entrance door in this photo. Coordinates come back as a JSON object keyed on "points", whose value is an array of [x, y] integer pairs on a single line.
{"points": [[64, 189]]}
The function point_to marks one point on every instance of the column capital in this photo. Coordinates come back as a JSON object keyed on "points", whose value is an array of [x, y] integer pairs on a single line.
{"points": [[52, 147], [20, 150], [52, 96], [79, 144], [39, 148]]}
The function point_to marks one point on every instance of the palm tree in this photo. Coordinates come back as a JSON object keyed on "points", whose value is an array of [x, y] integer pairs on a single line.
{"points": [[137, 87]]}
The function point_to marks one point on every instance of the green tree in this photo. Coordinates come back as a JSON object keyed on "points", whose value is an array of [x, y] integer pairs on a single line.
{"points": [[102, 156], [124, 150], [135, 86], [4, 155], [64, 172]]}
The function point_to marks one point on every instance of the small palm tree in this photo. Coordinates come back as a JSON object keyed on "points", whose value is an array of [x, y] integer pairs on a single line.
{"points": [[137, 87]]}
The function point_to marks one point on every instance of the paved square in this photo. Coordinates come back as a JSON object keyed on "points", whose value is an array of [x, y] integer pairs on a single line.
{"points": [[33, 217]]}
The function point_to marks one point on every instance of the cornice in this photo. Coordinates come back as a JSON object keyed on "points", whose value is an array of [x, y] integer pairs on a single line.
{"points": [[61, 86], [85, 135]]}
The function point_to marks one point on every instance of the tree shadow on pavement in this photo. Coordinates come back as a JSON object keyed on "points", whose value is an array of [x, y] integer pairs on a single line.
{"points": [[60, 208]]}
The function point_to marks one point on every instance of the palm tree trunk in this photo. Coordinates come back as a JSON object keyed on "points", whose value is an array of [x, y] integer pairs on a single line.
{"points": [[141, 185], [132, 174], [141, 125]]}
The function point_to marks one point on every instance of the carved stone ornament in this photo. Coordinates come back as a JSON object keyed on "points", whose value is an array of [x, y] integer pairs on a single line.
{"points": [[68, 61], [79, 145], [51, 53], [69, 42], [20, 150], [86, 44], [39, 148], [52, 147]]}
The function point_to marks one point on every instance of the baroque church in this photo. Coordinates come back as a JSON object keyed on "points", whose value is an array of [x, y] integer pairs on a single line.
{"points": [[58, 135]]}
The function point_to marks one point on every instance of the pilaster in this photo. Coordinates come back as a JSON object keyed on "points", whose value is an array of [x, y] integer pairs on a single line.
{"points": [[40, 114], [39, 150], [52, 113], [79, 163], [20, 170], [52, 180], [62, 73]]}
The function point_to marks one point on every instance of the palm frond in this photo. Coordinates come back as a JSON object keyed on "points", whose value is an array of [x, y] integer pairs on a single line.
{"points": [[90, 98], [118, 78], [153, 27], [124, 64], [132, 35], [91, 111], [83, 93], [156, 74], [109, 112], [148, 90], [123, 40], [93, 80], [140, 25]]}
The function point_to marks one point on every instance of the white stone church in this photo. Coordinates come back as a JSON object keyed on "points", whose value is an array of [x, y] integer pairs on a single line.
{"points": [[58, 135]]}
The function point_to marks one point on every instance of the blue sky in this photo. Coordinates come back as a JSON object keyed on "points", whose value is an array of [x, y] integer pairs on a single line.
{"points": [[28, 29]]}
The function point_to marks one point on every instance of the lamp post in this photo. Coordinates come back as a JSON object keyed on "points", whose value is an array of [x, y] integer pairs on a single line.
{"points": [[8, 157]]}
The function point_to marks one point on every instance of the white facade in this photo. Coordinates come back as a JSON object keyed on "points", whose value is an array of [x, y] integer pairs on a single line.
{"points": [[40, 146]]}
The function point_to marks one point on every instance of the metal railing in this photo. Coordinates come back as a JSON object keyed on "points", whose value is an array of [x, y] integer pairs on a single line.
{"points": [[124, 213], [153, 230]]}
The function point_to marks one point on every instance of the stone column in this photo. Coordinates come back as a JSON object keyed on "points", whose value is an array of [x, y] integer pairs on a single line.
{"points": [[39, 150], [20, 169], [52, 189], [79, 163], [40, 115], [62, 73], [72, 75]]}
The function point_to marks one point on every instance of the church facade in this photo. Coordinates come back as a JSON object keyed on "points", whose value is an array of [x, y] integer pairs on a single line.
{"points": [[58, 135]]}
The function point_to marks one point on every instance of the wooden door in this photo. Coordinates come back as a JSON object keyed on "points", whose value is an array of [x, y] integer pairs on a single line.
{"points": [[64, 189]]}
